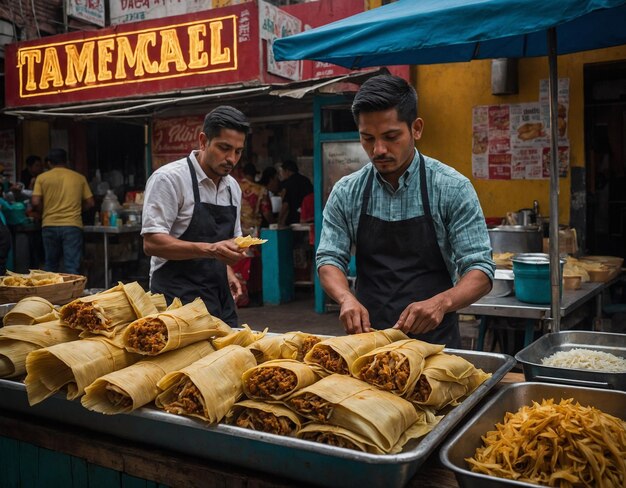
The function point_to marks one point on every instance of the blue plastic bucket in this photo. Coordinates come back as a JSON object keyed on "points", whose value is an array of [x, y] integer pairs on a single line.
{"points": [[532, 277]]}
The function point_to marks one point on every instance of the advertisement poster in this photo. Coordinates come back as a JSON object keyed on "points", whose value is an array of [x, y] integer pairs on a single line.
{"points": [[276, 23], [513, 141], [91, 11], [173, 138], [340, 159]]}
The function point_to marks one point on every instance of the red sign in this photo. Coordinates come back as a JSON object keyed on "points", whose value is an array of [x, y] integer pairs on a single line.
{"points": [[174, 137], [207, 48]]}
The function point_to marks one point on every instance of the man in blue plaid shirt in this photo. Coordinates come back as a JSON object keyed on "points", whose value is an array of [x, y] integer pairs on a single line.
{"points": [[422, 247]]}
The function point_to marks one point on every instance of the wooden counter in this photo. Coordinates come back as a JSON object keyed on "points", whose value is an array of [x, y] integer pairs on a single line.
{"points": [[61, 455]]}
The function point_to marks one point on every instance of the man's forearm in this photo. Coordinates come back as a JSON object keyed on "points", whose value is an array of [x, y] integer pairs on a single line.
{"points": [[334, 282], [173, 249], [471, 287]]}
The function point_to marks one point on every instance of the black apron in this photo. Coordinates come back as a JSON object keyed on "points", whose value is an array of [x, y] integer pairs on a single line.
{"points": [[202, 277], [398, 263]]}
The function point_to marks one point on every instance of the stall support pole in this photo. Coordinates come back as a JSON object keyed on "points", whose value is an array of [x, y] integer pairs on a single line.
{"points": [[555, 267]]}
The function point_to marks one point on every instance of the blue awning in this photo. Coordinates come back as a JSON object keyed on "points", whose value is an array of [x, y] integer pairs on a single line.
{"points": [[444, 31]]}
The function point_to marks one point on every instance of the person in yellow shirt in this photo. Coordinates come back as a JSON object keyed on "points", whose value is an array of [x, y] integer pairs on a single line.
{"points": [[60, 195]]}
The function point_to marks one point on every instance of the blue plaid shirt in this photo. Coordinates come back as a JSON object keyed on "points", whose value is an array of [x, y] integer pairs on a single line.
{"points": [[459, 221]]}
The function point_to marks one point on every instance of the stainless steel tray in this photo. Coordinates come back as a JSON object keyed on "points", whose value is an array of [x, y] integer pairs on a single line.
{"points": [[463, 443], [302, 460], [530, 357]]}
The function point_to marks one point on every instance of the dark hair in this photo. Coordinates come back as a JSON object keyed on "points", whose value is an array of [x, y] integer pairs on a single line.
{"points": [[267, 175], [32, 159], [384, 92], [224, 117], [57, 156], [249, 169], [290, 165]]}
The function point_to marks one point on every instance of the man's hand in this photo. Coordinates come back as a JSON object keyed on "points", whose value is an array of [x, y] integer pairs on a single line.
{"points": [[226, 251], [422, 317], [355, 317], [234, 284]]}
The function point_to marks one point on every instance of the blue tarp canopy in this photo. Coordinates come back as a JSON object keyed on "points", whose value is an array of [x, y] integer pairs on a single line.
{"points": [[445, 31]]}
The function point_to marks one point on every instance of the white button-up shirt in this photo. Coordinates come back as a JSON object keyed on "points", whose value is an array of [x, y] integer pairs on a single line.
{"points": [[169, 203]]}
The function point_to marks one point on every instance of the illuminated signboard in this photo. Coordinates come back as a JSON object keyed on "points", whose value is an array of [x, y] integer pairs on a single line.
{"points": [[150, 57]]}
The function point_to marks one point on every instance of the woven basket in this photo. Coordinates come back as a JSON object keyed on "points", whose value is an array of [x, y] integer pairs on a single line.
{"points": [[57, 293]]}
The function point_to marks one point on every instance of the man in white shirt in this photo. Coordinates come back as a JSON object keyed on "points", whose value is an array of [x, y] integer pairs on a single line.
{"points": [[191, 214]]}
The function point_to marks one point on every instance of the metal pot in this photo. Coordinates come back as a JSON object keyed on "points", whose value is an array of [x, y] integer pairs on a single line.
{"points": [[516, 238]]}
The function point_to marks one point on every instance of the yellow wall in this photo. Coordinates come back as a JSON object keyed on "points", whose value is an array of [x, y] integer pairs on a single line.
{"points": [[447, 93]]}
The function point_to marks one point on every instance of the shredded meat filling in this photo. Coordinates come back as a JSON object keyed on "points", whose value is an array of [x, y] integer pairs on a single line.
{"points": [[150, 336], [188, 399], [118, 399], [330, 439], [309, 404], [422, 390], [387, 370], [265, 382], [307, 345], [265, 422], [329, 359], [79, 315]]}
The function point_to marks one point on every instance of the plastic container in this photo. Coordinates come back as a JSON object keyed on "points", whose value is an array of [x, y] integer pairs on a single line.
{"points": [[110, 207], [532, 277]]}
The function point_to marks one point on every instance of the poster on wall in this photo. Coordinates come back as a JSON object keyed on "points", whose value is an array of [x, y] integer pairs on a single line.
{"points": [[91, 11], [173, 138], [275, 23], [7, 154], [124, 11], [513, 141], [340, 158]]}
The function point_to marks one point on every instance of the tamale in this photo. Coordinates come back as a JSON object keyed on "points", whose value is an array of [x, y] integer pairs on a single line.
{"points": [[267, 348], [173, 329], [396, 366], [333, 435], [108, 312], [277, 379], [74, 364], [207, 388], [30, 310], [272, 418], [445, 379], [384, 419], [158, 300], [132, 387], [336, 354], [296, 345], [16, 341], [243, 337]]}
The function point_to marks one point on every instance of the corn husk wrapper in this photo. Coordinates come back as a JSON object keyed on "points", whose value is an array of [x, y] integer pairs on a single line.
{"points": [[185, 325], [216, 376], [136, 385], [413, 352], [337, 436], [243, 337], [351, 347], [31, 310], [17, 341], [305, 376], [267, 348], [158, 300], [450, 378], [384, 419], [113, 309], [74, 364], [252, 407], [293, 344]]}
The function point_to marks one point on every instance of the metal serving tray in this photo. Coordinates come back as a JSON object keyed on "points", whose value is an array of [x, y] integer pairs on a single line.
{"points": [[463, 443], [298, 459], [548, 344]]}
